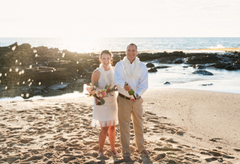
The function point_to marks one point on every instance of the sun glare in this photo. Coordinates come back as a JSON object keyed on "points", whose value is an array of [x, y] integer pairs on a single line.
{"points": [[80, 44], [106, 18]]}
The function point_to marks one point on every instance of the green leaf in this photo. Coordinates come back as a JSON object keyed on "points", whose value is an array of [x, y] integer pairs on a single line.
{"points": [[107, 86]]}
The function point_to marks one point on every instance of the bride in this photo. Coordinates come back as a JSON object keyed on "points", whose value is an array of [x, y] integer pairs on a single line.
{"points": [[105, 115]]}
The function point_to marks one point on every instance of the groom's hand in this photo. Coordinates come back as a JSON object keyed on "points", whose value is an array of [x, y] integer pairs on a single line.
{"points": [[127, 87], [132, 99], [137, 97]]}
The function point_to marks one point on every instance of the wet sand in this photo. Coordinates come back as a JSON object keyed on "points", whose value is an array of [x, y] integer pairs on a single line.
{"points": [[180, 126]]}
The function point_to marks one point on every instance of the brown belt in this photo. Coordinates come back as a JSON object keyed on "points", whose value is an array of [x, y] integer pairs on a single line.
{"points": [[123, 96]]}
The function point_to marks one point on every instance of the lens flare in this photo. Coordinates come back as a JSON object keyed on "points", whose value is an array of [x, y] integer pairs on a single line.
{"points": [[14, 47]]}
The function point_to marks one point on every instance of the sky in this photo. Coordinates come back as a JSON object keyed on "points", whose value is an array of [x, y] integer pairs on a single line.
{"points": [[122, 18]]}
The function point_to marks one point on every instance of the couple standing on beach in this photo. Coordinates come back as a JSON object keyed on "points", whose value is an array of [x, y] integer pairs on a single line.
{"points": [[129, 74]]}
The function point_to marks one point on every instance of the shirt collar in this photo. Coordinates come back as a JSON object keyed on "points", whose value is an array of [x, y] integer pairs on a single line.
{"points": [[130, 62]]}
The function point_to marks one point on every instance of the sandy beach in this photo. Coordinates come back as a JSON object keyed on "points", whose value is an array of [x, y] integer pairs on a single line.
{"points": [[180, 126]]}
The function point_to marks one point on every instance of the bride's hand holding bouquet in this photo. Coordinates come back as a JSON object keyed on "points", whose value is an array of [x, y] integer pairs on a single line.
{"points": [[99, 93]]}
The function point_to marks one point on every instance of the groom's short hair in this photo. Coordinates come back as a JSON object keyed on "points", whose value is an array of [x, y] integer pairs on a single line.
{"points": [[132, 44]]}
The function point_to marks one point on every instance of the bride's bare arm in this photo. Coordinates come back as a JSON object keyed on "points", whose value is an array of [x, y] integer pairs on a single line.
{"points": [[94, 79]]}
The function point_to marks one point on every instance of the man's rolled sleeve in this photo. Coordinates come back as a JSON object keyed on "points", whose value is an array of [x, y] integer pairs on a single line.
{"points": [[143, 82], [119, 76]]}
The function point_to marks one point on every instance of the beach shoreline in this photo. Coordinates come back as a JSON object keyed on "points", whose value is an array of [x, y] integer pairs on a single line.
{"points": [[203, 50], [180, 125], [51, 71]]}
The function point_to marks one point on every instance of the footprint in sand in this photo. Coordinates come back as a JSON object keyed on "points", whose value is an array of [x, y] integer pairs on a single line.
{"points": [[159, 157], [171, 140], [26, 140], [215, 139], [180, 133], [228, 157], [153, 120], [2, 125], [211, 159], [238, 150], [48, 155], [34, 158], [193, 155], [149, 113], [166, 149]]}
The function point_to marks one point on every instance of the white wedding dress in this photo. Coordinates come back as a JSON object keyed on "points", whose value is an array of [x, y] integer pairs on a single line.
{"points": [[107, 114]]}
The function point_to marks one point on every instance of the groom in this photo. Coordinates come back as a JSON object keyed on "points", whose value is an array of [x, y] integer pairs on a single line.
{"points": [[129, 74]]}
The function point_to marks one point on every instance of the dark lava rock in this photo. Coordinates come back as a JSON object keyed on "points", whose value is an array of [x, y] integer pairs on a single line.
{"points": [[199, 66], [166, 83], [60, 86], [149, 65], [231, 67], [152, 69], [178, 61], [207, 84], [160, 67], [219, 65], [23, 68], [202, 58], [203, 72]]}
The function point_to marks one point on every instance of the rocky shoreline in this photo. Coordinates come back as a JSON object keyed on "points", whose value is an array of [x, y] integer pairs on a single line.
{"points": [[28, 71]]}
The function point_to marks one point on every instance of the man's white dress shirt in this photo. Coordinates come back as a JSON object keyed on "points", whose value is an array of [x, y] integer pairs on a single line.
{"points": [[138, 81]]}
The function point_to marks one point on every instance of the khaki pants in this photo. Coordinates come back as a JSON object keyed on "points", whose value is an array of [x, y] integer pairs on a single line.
{"points": [[126, 109]]}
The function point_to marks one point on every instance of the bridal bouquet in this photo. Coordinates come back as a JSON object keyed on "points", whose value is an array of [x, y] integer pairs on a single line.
{"points": [[99, 93]]}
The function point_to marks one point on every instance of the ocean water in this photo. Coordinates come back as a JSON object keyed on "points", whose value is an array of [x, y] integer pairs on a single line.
{"points": [[176, 74], [180, 77], [98, 44]]}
